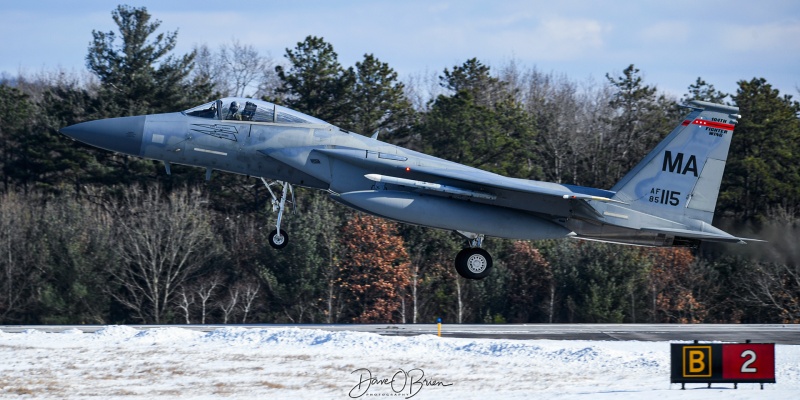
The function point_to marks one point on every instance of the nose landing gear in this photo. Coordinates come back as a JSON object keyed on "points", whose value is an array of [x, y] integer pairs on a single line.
{"points": [[279, 239]]}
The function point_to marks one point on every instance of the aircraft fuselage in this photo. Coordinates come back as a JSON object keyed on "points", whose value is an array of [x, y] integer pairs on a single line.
{"points": [[667, 200]]}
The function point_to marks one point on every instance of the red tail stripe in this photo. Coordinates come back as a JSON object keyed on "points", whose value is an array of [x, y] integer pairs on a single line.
{"points": [[713, 124]]}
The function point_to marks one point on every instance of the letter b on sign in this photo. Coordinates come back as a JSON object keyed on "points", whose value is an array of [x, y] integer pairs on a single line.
{"points": [[696, 361]]}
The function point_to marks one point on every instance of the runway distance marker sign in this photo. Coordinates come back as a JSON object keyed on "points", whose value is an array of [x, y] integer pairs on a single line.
{"points": [[723, 363]]}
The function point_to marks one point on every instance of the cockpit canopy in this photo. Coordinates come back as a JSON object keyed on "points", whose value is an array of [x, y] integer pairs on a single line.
{"points": [[243, 109]]}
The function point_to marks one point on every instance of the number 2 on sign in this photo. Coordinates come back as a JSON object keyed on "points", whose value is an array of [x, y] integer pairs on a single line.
{"points": [[746, 368]]}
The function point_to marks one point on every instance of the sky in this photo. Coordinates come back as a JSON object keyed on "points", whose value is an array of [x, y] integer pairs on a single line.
{"points": [[672, 43]]}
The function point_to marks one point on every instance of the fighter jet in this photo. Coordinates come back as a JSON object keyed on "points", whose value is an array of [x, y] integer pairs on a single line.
{"points": [[668, 199]]}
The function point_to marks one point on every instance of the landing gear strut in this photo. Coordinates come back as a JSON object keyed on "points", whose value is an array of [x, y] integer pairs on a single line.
{"points": [[277, 238], [473, 262]]}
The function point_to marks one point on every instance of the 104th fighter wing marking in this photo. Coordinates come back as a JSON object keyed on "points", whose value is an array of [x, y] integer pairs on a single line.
{"points": [[218, 131]]}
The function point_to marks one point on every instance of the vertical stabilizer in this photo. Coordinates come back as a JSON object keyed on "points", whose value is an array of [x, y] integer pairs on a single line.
{"points": [[682, 175]]}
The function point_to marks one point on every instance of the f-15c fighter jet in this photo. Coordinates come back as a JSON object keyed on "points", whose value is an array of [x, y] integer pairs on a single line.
{"points": [[668, 199]]}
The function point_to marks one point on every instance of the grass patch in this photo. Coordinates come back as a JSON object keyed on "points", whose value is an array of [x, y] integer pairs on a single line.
{"points": [[272, 385]]}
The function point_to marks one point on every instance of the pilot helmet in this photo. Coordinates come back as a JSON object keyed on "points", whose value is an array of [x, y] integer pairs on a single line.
{"points": [[234, 106]]}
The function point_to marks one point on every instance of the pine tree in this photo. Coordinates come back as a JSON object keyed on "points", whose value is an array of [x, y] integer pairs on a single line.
{"points": [[641, 119], [379, 101], [701, 90], [598, 282], [315, 83], [139, 75], [15, 114], [763, 169], [491, 131], [476, 79]]}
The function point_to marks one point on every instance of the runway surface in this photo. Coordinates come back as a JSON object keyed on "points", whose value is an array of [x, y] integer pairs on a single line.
{"points": [[780, 334]]}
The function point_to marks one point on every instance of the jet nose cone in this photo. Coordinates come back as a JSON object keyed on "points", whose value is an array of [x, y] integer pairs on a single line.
{"points": [[123, 135]]}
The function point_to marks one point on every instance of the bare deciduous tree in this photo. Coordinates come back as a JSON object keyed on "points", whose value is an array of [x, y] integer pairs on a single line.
{"points": [[249, 294], [197, 295], [20, 255], [553, 101], [241, 65], [162, 242], [374, 269], [185, 301], [775, 285], [237, 70], [205, 289], [228, 306], [422, 88]]}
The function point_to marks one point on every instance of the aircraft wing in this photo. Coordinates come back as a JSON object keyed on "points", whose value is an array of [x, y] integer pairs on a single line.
{"points": [[478, 181], [494, 181]]}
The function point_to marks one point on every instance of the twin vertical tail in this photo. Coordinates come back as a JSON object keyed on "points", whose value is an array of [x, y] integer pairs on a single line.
{"points": [[682, 175]]}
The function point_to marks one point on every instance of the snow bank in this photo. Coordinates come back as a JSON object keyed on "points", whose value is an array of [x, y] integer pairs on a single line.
{"points": [[120, 361]]}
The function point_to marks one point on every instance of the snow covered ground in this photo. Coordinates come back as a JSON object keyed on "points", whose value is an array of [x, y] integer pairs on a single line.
{"points": [[123, 362]]}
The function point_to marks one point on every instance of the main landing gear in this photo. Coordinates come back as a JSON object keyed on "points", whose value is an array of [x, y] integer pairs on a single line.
{"points": [[473, 262], [277, 238]]}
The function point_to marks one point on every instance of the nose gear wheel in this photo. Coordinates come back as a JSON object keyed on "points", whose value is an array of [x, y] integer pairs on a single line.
{"points": [[279, 239]]}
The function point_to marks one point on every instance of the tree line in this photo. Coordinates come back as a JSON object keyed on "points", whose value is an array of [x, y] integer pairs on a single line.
{"points": [[87, 236]]}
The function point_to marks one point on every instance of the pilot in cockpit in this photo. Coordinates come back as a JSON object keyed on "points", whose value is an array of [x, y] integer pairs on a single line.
{"points": [[233, 111]]}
